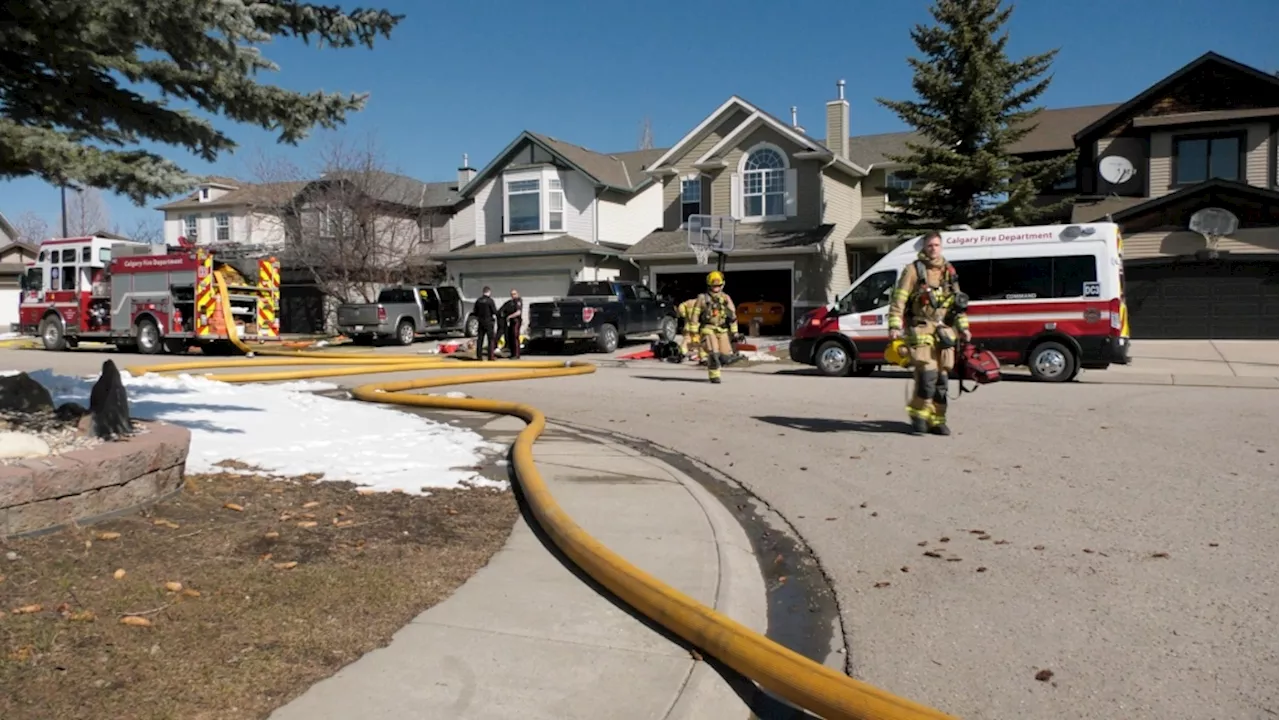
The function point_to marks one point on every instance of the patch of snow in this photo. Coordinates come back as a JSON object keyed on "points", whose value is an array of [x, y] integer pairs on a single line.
{"points": [[758, 356], [286, 430]]}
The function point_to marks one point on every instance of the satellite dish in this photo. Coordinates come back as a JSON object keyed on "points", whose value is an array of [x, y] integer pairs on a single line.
{"points": [[1116, 169]]}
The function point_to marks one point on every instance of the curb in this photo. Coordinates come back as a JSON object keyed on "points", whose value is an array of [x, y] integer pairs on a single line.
{"points": [[740, 587]]}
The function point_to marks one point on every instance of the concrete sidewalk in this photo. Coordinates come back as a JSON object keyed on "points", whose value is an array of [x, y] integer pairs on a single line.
{"points": [[527, 637]]}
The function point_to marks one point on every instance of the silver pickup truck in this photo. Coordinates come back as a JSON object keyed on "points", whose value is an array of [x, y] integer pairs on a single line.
{"points": [[404, 312]]}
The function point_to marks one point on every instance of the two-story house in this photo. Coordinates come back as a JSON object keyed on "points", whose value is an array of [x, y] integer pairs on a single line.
{"points": [[793, 200], [1205, 136], [545, 213], [300, 220]]}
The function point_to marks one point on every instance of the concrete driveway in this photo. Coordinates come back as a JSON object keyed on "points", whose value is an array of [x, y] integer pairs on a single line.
{"points": [[1121, 537]]}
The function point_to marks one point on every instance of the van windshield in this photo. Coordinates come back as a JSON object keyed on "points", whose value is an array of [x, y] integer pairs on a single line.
{"points": [[871, 294]]}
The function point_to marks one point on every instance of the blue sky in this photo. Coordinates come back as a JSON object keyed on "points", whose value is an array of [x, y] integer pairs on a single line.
{"points": [[468, 77]]}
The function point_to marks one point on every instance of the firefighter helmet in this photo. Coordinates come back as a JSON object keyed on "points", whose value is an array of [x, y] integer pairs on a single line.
{"points": [[896, 353], [715, 277]]}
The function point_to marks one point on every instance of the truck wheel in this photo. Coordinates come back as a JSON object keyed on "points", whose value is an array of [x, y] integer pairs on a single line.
{"points": [[149, 340], [52, 334], [607, 339], [472, 327], [1051, 362], [667, 330], [404, 332], [833, 359]]}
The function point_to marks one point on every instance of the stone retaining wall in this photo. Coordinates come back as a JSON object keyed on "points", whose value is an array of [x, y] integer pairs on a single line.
{"points": [[83, 486]]}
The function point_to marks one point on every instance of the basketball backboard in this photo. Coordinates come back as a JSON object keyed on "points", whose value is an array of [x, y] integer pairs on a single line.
{"points": [[710, 233]]}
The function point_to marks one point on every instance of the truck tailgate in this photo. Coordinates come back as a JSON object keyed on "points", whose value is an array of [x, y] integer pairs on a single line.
{"points": [[563, 313], [349, 315]]}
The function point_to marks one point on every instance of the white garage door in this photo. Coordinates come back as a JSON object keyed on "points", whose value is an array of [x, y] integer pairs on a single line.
{"points": [[8, 308], [533, 287]]}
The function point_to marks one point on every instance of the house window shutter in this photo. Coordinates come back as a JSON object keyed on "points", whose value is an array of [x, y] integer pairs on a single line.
{"points": [[789, 194], [735, 196]]}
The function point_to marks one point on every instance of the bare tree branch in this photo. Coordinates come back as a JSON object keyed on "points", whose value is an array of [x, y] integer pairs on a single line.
{"points": [[32, 228], [86, 212], [352, 221], [148, 230]]}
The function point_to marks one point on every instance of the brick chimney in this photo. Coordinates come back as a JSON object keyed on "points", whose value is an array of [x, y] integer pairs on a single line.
{"points": [[466, 172], [838, 123]]}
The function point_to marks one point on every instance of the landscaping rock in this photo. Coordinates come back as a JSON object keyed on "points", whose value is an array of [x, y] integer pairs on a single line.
{"points": [[20, 394], [17, 445], [70, 412], [109, 405]]}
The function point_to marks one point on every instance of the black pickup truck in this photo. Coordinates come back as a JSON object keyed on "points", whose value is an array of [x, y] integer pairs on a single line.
{"points": [[602, 312]]}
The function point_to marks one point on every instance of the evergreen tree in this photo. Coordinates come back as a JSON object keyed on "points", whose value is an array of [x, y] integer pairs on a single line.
{"points": [[72, 74], [974, 104]]}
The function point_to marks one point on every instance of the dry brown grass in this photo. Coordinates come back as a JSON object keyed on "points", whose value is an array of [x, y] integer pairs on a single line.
{"points": [[248, 630]]}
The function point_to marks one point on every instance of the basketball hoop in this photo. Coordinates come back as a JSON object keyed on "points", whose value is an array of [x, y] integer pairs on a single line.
{"points": [[1214, 224], [710, 233]]}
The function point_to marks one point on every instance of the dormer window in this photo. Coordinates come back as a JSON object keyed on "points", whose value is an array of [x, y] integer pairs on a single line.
{"points": [[204, 194]]}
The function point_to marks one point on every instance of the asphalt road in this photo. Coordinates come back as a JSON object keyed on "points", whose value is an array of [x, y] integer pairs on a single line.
{"points": [[1128, 538]]}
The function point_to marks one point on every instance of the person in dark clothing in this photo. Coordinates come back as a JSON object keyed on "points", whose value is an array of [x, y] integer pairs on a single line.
{"points": [[512, 313], [486, 312]]}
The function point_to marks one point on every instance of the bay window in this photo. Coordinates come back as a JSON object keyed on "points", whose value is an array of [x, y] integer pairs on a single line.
{"points": [[555, 204], [524, 209]]}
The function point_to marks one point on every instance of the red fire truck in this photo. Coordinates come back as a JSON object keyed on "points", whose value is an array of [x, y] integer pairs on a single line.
{"points": [[148, 298]]}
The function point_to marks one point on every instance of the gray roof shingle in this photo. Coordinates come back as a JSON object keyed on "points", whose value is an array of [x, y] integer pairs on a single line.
{"points": [[563, 245]]}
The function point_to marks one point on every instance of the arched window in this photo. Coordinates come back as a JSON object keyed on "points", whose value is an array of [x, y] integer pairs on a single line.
{"points": [[764, 181]]}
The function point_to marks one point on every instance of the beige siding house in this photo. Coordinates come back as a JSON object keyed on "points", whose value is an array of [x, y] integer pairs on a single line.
{"points": [[791, 199], [15, 255], [303, 224], [545, 213]]}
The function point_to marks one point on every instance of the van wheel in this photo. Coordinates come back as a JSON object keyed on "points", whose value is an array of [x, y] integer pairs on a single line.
{"points": [[52, 334], [1051, 361], [833, 359], [149, 341]]}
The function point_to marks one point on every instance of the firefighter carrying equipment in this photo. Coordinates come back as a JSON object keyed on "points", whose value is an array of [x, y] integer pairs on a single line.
{"points": [[925, 299], [897, 354], [718, 321], [977, 365]]}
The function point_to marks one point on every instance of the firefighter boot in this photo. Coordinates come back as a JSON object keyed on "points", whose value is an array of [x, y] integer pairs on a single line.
{"points": [[938, 420], [919, 423]]}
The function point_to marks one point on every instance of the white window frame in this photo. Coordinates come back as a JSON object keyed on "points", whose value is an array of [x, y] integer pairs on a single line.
{"points": [[204, 194], [746, 175], [893, 182], [695, 180], [524, 188], [222, 227], [191, 227], [555, 205]]}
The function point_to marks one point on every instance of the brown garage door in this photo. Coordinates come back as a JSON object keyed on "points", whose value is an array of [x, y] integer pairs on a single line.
{"points": [[1227, 299]]}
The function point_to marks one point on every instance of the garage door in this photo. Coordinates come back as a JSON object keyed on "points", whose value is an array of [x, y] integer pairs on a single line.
{"points": [[744, 286], [1203, 300], [533, 287], [8, 307]]}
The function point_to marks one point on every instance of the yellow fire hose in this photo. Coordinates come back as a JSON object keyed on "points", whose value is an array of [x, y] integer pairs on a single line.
{"points": [[808, 684]]}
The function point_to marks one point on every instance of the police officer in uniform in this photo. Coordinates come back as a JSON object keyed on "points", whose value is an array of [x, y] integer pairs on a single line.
{"points": [[929, 309], [718, 322]]}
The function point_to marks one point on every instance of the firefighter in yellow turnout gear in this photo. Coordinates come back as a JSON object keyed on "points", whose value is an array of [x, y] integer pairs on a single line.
{"points": [[687, 311], [717, 320], [929, 309]]}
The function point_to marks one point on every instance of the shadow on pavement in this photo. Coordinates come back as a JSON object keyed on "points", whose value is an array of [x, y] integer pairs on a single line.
{"points": [[762, 705], [826, 425], [659, 378]]}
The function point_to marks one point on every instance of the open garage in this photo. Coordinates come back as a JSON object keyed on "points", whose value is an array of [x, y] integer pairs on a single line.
{"points": [[746, 287], [1187, 299]]}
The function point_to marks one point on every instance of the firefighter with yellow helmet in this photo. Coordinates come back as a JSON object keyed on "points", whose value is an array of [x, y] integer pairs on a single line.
{"points": [[718, 322], [687, 311], [929, 310]]}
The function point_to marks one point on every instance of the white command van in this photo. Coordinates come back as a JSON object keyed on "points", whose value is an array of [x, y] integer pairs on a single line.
{"points": [[1050, 297]]}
